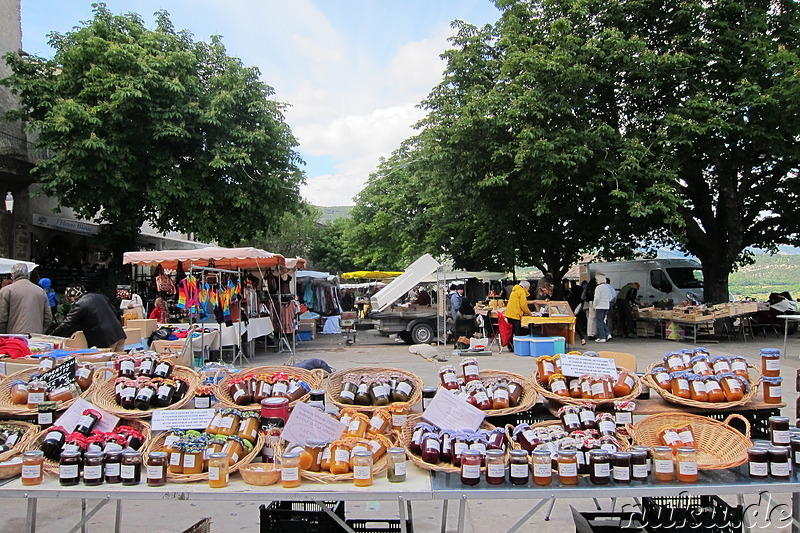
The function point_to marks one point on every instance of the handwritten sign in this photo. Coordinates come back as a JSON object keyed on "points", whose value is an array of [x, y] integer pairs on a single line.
{"points": [[72, 415], [448, 411], [60, 376], [307, 423], [181, 419], [580, 365]]}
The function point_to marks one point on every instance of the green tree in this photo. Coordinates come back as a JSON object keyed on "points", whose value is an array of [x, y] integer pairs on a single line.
{"points": [[331, 250], [150, 125]]}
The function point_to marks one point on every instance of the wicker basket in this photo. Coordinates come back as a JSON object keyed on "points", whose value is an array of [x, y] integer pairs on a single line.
{"points": [[635, 392], [158, 442], [103, 396], [718, 445], [52, 467], [8, 408], [312, 377], [380, 466], [29, 432], [260, 474], [11, 469], [333, 385], [528, 398], [405, 441], [668, 396], [623, 440]]}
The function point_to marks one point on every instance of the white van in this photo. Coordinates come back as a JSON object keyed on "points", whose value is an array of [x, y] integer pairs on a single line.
{"points": [[659, 279]]}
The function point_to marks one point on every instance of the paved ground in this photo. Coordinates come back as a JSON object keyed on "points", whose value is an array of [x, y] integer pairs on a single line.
{"points": [[372, 350]]}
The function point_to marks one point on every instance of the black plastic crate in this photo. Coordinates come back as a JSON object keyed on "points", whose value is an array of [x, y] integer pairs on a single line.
{"points": [[684, 514], [603, 522], [758, 418], [379, 526], [300, 517]]}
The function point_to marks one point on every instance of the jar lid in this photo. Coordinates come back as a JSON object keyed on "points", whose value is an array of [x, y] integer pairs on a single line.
{"points": [[621, 454], [686, 449], [70, 453], [218, 455], [519, 453], [396, 449], [779, 419], [131, 453], [470, 452], [567, 452], [543, 452], [157, 454], [360, 453], [662, 449], [494, 452], [291, 455], [33, 453], [598, 451]]}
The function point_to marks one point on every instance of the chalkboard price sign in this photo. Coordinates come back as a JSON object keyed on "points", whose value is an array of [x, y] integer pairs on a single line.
{"points": [[60, 376]]}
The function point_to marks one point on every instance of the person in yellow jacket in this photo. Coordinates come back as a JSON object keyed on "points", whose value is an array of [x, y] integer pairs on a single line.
{"points": [[518, 305]]}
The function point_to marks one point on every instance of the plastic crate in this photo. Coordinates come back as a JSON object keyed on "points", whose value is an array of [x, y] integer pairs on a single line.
{"points": [[684, 514], [758, 418], [599, 522], [379, 526], [300, 517]]}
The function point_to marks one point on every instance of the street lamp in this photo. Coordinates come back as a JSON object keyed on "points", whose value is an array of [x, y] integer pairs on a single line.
{"points": [[9, 202]]}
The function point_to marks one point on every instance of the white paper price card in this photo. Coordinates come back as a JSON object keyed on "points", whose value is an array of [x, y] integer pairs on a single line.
{"points": [[72, 416], [181, 419], [307, 423], [448, 411], [580, 365]]}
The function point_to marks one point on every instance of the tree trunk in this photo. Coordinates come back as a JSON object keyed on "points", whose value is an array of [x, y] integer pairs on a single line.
{"points": [[715, 281]]}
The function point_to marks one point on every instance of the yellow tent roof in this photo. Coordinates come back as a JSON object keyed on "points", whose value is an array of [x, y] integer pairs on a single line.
{"points": [[370, 274]]}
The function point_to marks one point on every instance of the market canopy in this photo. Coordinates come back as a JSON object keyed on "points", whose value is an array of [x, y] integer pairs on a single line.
{"points": [[370, 274], [6, 264], [224, 258]]}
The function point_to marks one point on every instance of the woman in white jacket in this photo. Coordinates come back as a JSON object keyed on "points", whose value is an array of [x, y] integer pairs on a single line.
{"points": [[604, 295]]}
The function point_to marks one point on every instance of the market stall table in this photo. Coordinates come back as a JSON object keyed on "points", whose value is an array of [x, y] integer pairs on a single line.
{"points": [[786, 319]]}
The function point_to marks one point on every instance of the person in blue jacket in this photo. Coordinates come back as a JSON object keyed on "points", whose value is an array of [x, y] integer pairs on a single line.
{"points": [[52, 297]]}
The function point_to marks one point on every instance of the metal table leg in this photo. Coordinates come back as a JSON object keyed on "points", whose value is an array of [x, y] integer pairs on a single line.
{"points": [[785, 334], [30, 518], [795, 512], [462, 509], [444, 516], [530, 513], [550, 509], [402, 507], [118, 517]]}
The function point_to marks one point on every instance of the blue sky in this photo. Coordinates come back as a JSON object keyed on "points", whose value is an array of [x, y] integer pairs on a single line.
{"points": [[351, 70]]}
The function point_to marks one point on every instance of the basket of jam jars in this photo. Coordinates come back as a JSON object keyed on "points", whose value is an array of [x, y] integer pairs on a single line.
{"points": [[127, 435], [548, 381], [233, 432], [442, 450], [718, 444], [247, 388], [15, 437], [495, 392], [366, 431], [172, 387], [22, 392], [370, 388], [695, 378]]}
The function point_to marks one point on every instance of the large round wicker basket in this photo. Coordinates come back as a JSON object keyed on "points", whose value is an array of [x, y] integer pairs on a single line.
{"points": [[103, 396], [635, 392], [52, 466], [333, 385], [8, 408], [29, 432], [405, 441], [157, 443], [718, 445], [623, 440], [668, 396], [312, 377], [528, 398]]}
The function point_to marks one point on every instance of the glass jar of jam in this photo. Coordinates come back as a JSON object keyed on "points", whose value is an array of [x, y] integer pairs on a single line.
{"points": [[19, 392], [731, 387], [144, 395], [93, 468], [621, 462], [701, 365], [542, 467], [112, 462], [574, 386], [396, 472], [470, 467], [546, 368], [663, 377], [340, 458], [599, 467], [639, 465], [358, 426], [290, 470], [431, 448], [147, 365], [218, 470], [606, 424], [714, 390], [448, 377], [526, 437], [570, 418], [399, 413], [779, 466], [131, 468], [89, 418], [567, 467], [32, 464], [68, 466], [469, 369], [779, 434], [347, 395], [558, 385], [427, 395], [478, 392], [156, 469], [240, 392], [495, 467], [126, 366], [500, 396], [686, 459], [770, 362], [663, 463], [249, 426], [64, 394], [739, 365], [83, 375], [459, 442], [175, 458], [680, 385], [722, 365], [37, 390], [772, 390], [229, 422], [163, 370], [45, 412], [274, 412], [698, 388], [165, 393], [362, 469], [53, 442], [587, 417], [380, 422], [758, 462], [624, 384], [519, 470], [193, 458], [46, 362], [514, 393], [674, 361]]}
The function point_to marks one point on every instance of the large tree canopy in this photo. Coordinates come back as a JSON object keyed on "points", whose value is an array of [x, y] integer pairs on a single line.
{"points": [[150, 125]]}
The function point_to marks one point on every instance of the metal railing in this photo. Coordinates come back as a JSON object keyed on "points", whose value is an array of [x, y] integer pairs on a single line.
{"points": [[19, 148]]}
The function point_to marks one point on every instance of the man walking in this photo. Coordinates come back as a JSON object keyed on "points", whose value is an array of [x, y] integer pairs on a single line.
{"points": [[24, 307]]}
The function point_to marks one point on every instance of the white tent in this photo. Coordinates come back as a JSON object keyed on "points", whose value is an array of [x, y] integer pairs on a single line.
{"points": [[6, 264]]}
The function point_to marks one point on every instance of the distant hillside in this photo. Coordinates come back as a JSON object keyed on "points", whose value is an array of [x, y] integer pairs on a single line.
{"points": [[329, 214], [777, 273]]}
